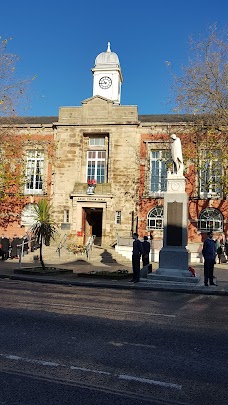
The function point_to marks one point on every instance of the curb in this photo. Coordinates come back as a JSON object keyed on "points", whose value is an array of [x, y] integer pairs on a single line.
{"points": [[141, 286]]}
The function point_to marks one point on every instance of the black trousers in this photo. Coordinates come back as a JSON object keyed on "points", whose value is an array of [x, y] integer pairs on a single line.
{"points": [[145, 260], [136, 267], [5, 255], [208, 270]]}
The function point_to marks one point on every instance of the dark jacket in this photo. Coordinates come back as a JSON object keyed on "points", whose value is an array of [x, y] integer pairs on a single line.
{"points": [[137, 248], [15, 249], [209, 249], [146, 247], [5, 244]]}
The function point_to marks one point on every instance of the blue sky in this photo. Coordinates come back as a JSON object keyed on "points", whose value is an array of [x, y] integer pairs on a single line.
{"points": [[59, 41]]}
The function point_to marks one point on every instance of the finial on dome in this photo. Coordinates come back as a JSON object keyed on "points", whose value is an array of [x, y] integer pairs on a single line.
{"points": [[108, 49]]}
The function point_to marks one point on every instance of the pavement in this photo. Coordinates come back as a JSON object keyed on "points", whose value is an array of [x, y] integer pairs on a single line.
{"points": [[78, 273]]}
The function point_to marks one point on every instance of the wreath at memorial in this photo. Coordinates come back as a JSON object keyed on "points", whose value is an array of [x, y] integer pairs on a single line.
{"points": [[74, 248]]}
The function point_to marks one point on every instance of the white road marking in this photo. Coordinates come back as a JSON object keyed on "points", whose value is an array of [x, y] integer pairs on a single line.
{"points": [[148, 381], [41, 362], [90, 370], [120, 344], [84, 369]]}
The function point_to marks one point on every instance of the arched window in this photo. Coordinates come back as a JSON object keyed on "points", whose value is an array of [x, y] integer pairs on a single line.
{"points": [[155, 219], [28, 215], [210, 219]]}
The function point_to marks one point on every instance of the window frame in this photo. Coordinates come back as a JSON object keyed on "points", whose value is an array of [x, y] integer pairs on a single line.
{"points": [[159, 210], [210, 167], [97, 141], [211, 216], [118, 217], [28, 214], [93, 169], [66, 216], [160, 163], [32, 158]]}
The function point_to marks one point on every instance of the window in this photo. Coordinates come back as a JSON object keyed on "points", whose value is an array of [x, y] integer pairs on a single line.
{"points": [[118, 217], [96, 141], [155, 219], [28, 215], [96, 162], [34, 172], [210, 173], [66, 216], [158, 170], [210, 219]]}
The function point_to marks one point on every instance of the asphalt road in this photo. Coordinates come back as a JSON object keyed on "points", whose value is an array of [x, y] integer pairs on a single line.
{"points": [[76, 345]]}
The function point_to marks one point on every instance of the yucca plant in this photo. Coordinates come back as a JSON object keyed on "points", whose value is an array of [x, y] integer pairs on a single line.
{"points": [[43, 228]]}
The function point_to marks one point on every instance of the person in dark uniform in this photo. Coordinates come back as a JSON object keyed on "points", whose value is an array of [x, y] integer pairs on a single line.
{"points": [[146, 251], [5, 244], [226, 248], [209, 254], [136, 255], [25, 241], [15, 250]]}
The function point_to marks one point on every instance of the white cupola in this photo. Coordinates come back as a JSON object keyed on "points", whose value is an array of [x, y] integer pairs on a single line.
{"points": [[107, 76]]}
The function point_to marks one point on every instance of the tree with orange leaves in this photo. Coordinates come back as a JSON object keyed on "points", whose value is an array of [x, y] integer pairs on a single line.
{"points": [[202, 93], [13, 99]]}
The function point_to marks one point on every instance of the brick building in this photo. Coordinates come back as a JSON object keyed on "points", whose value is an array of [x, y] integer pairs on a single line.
{"points": [[208, 204], [125, 154]]}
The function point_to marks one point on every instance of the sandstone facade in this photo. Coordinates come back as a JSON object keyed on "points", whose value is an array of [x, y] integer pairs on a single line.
{"points": [[121, 202], [95, 214]]}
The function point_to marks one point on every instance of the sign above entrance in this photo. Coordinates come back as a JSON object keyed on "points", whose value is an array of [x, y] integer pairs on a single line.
{"points": [[91, 199]]}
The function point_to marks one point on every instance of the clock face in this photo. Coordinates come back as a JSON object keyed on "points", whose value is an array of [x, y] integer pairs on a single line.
{"points": [[105, 82]]}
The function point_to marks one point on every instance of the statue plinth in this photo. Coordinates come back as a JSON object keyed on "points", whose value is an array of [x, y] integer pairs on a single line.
{"points": [[175, 183]]}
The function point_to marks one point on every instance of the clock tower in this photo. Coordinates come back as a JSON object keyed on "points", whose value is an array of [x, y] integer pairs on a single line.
{"points": [[107, 76]]}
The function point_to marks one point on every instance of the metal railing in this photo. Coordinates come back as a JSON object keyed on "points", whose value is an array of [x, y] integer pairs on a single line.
{"points": [[61, 244], [20, 247], [89, 245]]}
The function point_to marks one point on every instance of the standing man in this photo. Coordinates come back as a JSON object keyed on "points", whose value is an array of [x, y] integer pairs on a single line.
{"points": [[136, 255], [226, 248], [4, 241], [146, 251], [209, 253], [15, 249]]}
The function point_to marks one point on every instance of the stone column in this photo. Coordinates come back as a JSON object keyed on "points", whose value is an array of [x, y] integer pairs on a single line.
{"points": [[173, 257]]}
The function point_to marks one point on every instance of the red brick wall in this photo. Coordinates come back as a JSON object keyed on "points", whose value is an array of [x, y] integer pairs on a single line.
{"points": [[11, 205], [195, 205]]}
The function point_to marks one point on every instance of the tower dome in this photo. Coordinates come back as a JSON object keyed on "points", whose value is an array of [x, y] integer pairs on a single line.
{"points": [[107, 58], [107, 76]]}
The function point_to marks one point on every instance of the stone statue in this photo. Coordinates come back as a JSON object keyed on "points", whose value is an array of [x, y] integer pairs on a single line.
{"points": [[176, 152]]}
